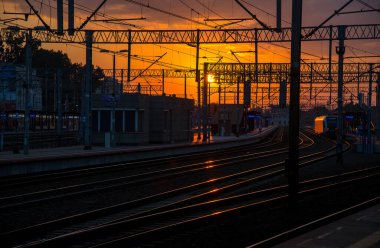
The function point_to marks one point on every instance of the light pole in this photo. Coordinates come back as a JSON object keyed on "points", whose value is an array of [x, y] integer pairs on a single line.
{"points": [[113, 126]]}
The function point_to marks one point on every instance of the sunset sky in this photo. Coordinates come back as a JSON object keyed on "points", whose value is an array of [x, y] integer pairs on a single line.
{"points": [[183, 56]]}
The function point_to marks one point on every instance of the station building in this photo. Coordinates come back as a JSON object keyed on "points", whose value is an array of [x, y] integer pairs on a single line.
{"points": [[142, 119]]}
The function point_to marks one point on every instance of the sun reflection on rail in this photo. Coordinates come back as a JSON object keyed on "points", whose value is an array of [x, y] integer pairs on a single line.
{"points": [[216, 213], [213, 190]]}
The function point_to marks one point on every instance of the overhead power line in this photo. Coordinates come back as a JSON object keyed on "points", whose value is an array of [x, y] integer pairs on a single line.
{"points": [[369, 6], [254, 16], [38, 15], [168, 13], [92, 14], [328, 19]]}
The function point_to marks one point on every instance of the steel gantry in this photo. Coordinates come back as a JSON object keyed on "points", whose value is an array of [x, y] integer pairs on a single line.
{"points": [[315, 83], [229, 72], [371, 31]]}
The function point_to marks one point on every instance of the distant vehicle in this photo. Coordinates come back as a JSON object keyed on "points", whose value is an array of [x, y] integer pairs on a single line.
{"points": [[326, 125]]}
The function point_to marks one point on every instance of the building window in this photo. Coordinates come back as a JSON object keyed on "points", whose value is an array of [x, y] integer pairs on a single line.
{"points": [[140, 122], [130, 121], [95, 124], [119, 121], [105, 120], [166, 116]]}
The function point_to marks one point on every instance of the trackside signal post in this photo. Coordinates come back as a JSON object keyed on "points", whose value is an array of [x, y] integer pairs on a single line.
{"points": [[291, 164]]}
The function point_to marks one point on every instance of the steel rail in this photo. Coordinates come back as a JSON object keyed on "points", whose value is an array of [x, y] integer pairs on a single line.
{"points": [[13, 181], [204, 206], [137, 179], [213, 181]]}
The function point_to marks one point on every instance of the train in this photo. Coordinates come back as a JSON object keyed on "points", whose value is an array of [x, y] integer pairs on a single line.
{"points": [[326, 125]]}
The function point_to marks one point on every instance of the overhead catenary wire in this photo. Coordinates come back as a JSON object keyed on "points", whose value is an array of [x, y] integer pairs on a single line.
{"points": [[328, 19], [218, 52], [368, 5], [169, 13], [265, 26], [206, 50], [92, 14], [103, 26], [39, 17], [84, 8]]}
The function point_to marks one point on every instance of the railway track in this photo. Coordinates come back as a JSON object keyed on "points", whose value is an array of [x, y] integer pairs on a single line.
{"points": [[236, 184], [139, 229], [139, 167], [137, 179]]}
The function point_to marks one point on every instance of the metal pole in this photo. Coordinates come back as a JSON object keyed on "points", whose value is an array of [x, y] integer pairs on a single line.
{"points": [[238, 108], [198, 80], [315, 98], [59, 103], [278, 26], [71, 17], [369, 115], [340, 51], [122, 82], [185, 87], [46, 89], [358, 86], [219, 93], [208, 97], [219, 108], [113, 138], [378, 107], [163, 82], [205, 85], [224, 98], [129, 56], [256, 66], [87, 92], [291, 166], [238, 90], [269, 81], [60, 17], [28, 83], [330, 57], [311, 80]]}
